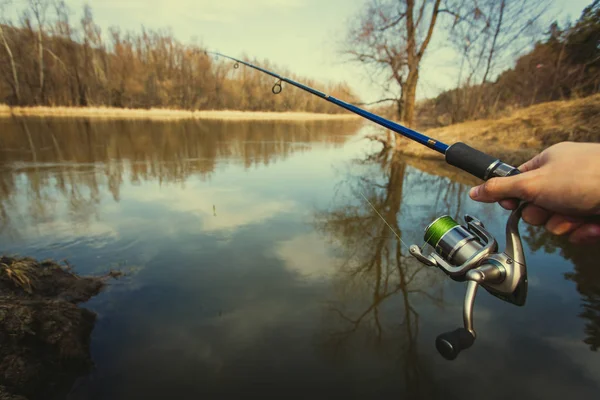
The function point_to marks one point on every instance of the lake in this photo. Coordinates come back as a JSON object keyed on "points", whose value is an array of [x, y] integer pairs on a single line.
{"points": [[256, 266]]}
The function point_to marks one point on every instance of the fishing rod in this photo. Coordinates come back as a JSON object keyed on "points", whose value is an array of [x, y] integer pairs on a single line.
{"points": [[466, 253], [459, 154]]}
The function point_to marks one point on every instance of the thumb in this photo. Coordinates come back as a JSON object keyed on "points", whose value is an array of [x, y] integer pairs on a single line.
{"points": [[518, 186]]}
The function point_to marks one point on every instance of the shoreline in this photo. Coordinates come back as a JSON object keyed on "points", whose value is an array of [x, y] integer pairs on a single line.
{"points": [[167, 114]]}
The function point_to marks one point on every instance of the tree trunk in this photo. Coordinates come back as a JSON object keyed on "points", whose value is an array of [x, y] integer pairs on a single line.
{"points": [[409, 92], [41, 62], [13, 67], [400, 109]]}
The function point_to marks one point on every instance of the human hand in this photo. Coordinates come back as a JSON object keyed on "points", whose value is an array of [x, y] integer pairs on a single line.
{"points": [[562, 185]]}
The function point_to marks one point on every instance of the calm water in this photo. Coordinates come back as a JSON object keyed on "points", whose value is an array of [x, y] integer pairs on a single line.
{"points": [[257, 267]]}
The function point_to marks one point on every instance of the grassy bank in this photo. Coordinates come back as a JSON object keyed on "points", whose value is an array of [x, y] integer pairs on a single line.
{"points": [[165, 114], [522, 134]]}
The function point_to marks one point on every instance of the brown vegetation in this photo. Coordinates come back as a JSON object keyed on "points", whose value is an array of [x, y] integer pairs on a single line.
{"points": [[565, 65], [524, 133], [47, 60], [391, 37]]}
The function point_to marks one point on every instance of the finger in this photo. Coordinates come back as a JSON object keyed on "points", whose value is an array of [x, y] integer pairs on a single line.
{"points": [[535, 215], [530, 165], [586, 234], [508, 204], [522, 186], [559, 224]]}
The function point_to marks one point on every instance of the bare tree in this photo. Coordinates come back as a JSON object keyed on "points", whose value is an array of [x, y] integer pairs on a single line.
{"points": [[15, 78], [38, 8], [489, 35], [391, 37]]}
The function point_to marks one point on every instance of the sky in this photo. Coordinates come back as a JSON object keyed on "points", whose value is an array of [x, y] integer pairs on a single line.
{"points": [[301, 35]]}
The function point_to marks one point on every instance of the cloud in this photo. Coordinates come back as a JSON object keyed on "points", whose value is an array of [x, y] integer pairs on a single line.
{"points": [[307, 255], [233, 206]]}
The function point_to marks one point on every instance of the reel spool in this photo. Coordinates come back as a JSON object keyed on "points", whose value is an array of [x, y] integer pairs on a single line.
{"points": [[470, 253]]}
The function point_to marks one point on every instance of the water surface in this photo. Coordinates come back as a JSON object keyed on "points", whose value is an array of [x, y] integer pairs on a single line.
{"points": [[257, 266]]}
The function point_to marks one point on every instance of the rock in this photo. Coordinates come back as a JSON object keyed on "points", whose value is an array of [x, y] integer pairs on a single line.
{"points": [[44, 335]]}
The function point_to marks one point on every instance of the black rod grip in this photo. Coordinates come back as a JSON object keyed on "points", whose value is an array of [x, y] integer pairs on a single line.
{"points": [[470, 160]]}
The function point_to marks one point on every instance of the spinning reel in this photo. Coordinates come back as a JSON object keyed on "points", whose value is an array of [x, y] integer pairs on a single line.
{"points": [[470, 253]]}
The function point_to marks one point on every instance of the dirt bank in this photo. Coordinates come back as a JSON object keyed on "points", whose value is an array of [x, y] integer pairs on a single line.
{"points": [[522, 134], [44, 335]]}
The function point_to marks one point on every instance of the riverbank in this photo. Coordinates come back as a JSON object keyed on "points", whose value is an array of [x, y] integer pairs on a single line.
{"points": [[166, 114], [519, 136], [44, 335]]}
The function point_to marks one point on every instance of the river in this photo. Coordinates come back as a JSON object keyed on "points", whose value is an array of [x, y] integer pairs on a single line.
{"points": [[255, 265]]}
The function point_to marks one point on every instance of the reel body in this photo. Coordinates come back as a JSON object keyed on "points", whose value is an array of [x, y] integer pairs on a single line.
{"points": [[470, 253]]}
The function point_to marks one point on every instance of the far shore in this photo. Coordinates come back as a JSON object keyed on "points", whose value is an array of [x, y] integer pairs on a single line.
{"points": [[166, 114]]}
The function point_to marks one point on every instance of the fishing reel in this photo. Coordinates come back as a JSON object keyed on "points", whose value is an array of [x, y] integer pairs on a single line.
{"points": [[470, 253]]}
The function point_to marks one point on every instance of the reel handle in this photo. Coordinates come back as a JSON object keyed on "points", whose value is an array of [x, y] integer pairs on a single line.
{"points": [[451, 343]]}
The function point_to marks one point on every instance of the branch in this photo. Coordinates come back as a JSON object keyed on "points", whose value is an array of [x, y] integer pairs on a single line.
{"points": [[421, 14], [391, 24], [434, 16], [366, 58], [376, 102], [57, 59]]}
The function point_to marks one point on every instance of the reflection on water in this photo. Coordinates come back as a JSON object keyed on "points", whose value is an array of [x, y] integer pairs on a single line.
{"points": [[374, 268], [586, 275], [53, 161], [260, 265]]}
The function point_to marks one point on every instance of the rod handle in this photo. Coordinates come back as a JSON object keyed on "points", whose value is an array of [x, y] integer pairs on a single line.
{"points": [[477, 163]]}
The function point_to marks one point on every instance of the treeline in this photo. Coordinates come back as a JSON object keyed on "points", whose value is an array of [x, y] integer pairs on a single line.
{"points": [[565, 65], [48, 60]]}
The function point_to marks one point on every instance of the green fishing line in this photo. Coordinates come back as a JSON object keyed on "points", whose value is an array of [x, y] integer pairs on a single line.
{"points": [[438, 228]]}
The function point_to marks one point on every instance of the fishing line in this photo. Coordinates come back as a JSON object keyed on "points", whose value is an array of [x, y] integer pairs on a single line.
{"points": [[465, 253], [383, 219]]}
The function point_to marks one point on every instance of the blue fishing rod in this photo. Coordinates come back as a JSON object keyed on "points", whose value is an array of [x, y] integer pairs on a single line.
{"points": [[459, 154], [463, 252]]}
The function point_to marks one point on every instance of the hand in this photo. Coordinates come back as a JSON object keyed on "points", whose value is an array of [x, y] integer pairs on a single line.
{"points": [[563, 186]]}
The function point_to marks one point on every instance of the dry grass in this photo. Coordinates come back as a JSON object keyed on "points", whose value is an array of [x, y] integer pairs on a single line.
{"points": [[524, 133], [165, 114], [20, 272]]}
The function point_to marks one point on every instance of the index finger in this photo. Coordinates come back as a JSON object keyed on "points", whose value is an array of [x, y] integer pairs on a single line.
{"points": [[530, 165]]}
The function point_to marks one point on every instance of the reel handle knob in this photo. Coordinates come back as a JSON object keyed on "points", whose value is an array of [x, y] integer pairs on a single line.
{"points": [[450, 344]]}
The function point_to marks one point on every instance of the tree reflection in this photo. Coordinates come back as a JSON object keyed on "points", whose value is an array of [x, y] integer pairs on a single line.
{"points": [[47, 162], [586, 276], [376, 268]]}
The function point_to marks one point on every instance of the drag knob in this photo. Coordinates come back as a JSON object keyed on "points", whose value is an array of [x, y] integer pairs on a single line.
{"points": [[449, 344]]}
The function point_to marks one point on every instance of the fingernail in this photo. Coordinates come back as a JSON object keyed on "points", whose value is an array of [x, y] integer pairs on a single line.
{"points": [[474, 192], [559, 228]]}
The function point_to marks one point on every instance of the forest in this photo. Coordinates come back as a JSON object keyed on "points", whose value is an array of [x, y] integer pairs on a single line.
{"points": [[507, 59], [49, 60], [565, 65]]}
